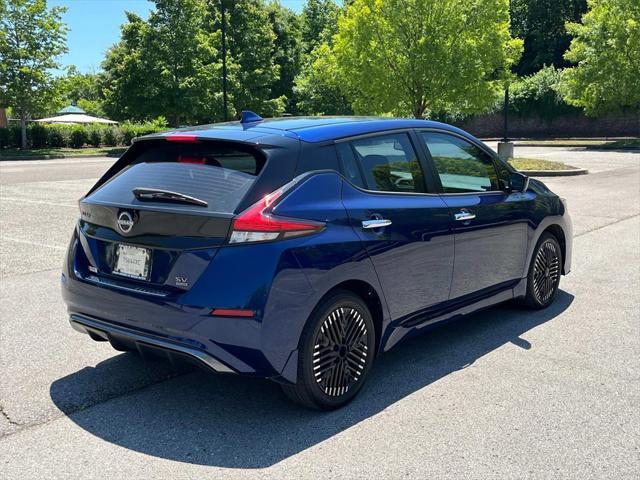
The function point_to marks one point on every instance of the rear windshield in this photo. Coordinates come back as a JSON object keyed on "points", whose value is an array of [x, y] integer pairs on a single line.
{"points": [[216, 174]]}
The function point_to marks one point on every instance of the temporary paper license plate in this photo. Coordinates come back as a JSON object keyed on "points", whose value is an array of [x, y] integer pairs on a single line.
{"points": [[132, 262]]}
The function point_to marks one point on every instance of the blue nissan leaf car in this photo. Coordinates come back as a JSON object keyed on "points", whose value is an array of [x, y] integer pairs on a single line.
{"points": [[299, 249]]}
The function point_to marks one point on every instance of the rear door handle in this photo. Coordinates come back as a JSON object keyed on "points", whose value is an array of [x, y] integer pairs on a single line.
{"points": [[376, 223], [464, 215]]}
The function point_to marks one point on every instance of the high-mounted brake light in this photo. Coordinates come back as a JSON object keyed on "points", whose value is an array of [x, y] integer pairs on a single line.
{"points": [[191, 159], [258, 224], [182, 138]]}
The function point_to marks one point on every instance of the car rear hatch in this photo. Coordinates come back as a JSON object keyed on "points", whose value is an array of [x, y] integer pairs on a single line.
{"points": [[157, 222]]}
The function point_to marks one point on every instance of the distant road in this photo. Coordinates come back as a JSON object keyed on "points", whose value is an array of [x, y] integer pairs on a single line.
{"points": [[23, 171]]}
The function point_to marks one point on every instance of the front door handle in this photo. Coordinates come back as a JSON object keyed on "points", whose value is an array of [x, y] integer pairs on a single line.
{"points": [[376, 223], [464, 215]]}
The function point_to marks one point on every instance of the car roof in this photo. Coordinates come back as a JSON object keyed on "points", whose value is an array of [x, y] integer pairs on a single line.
{"points": [[306, 129]]}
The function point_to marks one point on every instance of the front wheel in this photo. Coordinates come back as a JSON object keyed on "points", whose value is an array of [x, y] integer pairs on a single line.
{"points": [[544, 273], [336, 352]]}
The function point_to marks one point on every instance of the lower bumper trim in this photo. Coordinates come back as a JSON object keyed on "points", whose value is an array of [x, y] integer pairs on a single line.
{"points": [[95, 327]]}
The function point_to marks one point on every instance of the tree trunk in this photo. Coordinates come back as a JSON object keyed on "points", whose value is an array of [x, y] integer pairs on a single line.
{"points": [[23, 132]]}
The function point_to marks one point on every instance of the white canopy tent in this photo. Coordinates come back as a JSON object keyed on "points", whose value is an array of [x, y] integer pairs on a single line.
{"points": [[75, 118]]}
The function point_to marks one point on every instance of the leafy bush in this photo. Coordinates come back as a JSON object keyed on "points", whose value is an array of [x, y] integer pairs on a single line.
{"points": [[4, 137], [538, 94], [59, 135], [78, 137], [112, 136], [10, 136], [94, 136], [37, 135], [133, 130]]}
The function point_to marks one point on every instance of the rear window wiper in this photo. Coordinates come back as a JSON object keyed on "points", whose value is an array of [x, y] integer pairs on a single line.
{"points": [[154, 194]]}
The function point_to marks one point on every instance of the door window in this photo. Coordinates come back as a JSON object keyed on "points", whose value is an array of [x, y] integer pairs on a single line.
{"points": [[461, 166], [389, 163]]}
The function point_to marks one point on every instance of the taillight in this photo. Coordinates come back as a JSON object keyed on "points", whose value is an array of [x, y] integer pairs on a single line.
{"points": [[258, 224]]}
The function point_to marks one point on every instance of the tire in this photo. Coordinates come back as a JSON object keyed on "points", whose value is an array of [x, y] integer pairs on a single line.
{"points": [[544, 273], [335, 355]]}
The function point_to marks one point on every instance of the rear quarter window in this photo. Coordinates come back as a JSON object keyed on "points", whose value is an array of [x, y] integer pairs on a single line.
{"points": [[221, 175]]}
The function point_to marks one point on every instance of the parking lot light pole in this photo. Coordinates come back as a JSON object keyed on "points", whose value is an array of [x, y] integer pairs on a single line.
{"points": [[224, 62], [505, 147]]}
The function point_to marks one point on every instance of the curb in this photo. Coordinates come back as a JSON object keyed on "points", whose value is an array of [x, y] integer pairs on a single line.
{"points": [[603, 148], [555, 173], [58, 157]]}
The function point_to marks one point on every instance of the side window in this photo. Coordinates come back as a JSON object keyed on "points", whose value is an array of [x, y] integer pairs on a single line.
{"points": [[389, 163], [462, 166], [350, 165]]}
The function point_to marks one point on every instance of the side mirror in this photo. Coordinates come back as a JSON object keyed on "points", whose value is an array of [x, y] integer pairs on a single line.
{"points": [[519, 182]]}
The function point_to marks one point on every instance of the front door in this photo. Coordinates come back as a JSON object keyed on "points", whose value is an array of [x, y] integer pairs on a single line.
{"points": [[489, 223], [405, 229]]}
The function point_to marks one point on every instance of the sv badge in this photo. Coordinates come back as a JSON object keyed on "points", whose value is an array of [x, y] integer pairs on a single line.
{"points": [[181, 281]]}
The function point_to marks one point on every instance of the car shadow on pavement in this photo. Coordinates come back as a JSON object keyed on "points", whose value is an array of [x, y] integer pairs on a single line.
{"points": [[236, 422]]}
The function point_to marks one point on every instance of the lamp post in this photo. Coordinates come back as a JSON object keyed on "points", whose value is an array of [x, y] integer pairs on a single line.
{"points": [[224, 62], [505, 147], [505, 137]]}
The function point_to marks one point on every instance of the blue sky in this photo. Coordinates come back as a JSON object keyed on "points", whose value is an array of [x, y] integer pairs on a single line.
{"points": [[94, 25]]}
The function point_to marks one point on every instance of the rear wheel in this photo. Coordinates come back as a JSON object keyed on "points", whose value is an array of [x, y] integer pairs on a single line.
{"points": [[544, 273], [336, 352]]}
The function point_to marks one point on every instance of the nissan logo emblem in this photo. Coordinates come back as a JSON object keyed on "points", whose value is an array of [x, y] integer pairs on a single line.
{"points": [[125, 222]]}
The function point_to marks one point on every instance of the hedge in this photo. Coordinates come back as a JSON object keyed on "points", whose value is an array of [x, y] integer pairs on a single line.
{"points": [[76, 136]]}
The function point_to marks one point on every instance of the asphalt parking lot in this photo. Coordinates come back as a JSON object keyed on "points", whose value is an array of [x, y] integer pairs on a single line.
{"points": [[504, 393]]}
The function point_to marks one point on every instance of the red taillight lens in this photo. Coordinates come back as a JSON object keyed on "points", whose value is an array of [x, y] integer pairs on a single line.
{"points": [[257, 223], [182, 138]]}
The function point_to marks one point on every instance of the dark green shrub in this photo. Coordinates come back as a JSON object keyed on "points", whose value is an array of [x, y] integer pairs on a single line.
{"points": [[112, 136], [37, 135], [4, 137], [58, 136], [538, 95], [78, 137], [15, 135], [94, 136]]}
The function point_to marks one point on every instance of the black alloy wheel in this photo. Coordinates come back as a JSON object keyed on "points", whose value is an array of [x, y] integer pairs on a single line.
{"points": [[544, 272], [337, 349]]}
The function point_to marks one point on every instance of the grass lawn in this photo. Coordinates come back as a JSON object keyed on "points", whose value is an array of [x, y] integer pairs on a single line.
{"points": [[628, 143], [539, 164], [62, 152]]}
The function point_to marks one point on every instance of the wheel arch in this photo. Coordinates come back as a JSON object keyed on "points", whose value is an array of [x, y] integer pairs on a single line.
{"points": [[557, 231]]}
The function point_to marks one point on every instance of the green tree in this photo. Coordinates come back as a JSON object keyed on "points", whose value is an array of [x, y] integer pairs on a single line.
{"points": [[420, 57], [287, 51], [251, 43], [31, 38], [166, 66], [319, 22], [541, 24], [606, 49], [82, 89], [317, 88]]}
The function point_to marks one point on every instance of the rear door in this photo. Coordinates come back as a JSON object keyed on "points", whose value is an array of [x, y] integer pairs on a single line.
{"points": [[403, 224], [159, 221], [489, 223]]}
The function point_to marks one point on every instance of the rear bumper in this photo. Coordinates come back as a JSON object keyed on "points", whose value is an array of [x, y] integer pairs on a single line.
{"points": [[143, 342]]}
